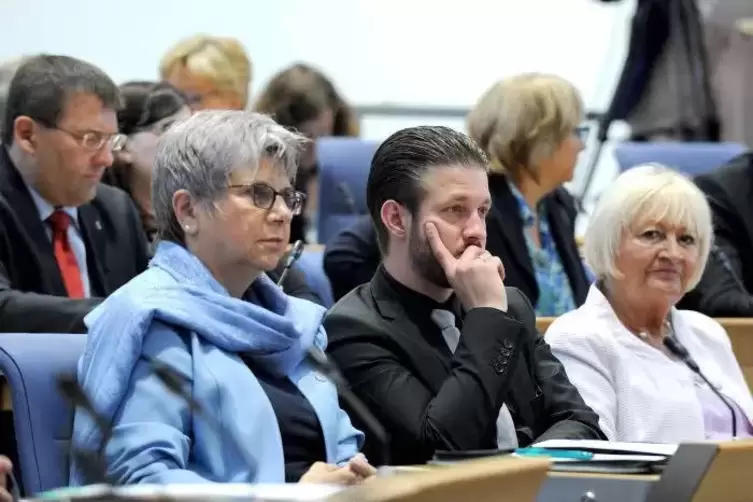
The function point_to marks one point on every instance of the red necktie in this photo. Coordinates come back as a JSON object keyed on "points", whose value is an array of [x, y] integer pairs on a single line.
{"points": [[60, 221]]}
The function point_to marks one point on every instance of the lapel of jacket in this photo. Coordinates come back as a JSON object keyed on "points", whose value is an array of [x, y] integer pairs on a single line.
{"points": [[426, 359], [93, 232], [505, 217], [17, 194]]}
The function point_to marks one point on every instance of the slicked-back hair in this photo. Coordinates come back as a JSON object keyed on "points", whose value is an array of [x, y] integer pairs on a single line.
{"points": [[401, 161]]}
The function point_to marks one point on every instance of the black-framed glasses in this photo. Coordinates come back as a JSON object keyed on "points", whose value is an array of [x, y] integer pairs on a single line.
{"points": [[264, 196], [92, 140]]}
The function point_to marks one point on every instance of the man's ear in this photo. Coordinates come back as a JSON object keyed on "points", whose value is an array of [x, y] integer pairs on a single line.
{"points": [[26, 134], [395, 218]]}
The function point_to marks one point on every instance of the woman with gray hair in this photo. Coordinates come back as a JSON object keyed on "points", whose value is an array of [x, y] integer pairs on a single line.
{"points": [[205, 314], [647, 242]]}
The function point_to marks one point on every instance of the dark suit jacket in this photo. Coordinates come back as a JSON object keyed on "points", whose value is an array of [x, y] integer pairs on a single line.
{"points": [[430, 401], [32, 295], [725, 291], [505, 239]]}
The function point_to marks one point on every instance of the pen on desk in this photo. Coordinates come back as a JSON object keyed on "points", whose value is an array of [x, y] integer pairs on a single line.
{"points": [[546, 452]]}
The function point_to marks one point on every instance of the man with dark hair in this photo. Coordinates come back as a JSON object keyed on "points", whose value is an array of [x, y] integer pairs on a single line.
{"points": [[65, 240], [440, 350]]}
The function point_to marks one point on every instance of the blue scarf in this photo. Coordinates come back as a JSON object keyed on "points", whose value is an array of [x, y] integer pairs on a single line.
{"points": [[178, 290]]}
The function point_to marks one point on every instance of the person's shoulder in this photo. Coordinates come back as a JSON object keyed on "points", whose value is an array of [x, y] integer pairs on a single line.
{"points": [[705, 329], [730, 175], [583, 326], [352, 314]]}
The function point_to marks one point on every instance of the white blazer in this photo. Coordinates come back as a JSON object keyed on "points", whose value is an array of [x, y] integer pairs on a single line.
{"points": [[638, 392]]}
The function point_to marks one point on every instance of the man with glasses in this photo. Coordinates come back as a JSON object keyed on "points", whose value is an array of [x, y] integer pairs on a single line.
{"points": [[66, 241]]}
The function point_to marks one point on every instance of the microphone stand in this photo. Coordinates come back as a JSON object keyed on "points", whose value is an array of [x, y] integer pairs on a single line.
{"points": [[293, 256], [675, 348]]}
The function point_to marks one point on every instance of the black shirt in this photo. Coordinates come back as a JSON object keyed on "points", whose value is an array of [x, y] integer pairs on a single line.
{"points": [[302, 436], [420, 307]]}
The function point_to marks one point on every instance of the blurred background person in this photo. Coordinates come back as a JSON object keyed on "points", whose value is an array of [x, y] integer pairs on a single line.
{"points": [[148, 110], [214, 72], [648, 242], [304, 99], [223, 201], [727, 282], [528, 126]]}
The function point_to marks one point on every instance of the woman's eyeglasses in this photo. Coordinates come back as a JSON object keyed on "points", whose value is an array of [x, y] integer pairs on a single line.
{"points": [[264, 196]]}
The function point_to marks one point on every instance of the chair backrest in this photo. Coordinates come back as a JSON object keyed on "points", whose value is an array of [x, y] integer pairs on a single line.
{"points": [[689, 158], [344, 165], [311, 263], [43, 419]]}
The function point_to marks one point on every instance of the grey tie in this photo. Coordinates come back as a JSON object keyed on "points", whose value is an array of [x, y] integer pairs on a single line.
{"points": [[506, 436]]}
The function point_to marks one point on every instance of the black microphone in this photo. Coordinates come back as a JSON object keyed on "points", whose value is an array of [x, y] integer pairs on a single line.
{"points": [[347, 197], [323, 364], [723, 259], [674, 346], [292, 257], [93, 464], [175, 383]]}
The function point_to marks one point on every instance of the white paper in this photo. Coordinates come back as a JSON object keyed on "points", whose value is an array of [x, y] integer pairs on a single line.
{"points": [[610, 447]]}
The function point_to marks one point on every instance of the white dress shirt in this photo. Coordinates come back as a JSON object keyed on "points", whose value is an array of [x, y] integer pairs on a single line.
{"points": [[639, 393]]}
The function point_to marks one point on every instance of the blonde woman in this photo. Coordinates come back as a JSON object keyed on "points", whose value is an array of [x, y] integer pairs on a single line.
{"points": [[214, 72], [528, 125], [648, 242]]}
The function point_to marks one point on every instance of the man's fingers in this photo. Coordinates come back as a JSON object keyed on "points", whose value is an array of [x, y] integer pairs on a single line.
{"points": [[441, 253]]}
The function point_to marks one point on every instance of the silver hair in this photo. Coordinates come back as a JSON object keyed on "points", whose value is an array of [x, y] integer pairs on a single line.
{"points": [[200, 153], [650, 192]]}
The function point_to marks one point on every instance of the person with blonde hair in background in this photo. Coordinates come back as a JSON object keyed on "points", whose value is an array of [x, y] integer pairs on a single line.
{"points": [[215, 72], [528, 125], [648, 242]]}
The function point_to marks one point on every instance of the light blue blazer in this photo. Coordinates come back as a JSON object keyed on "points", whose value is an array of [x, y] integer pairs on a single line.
{"points": [[158, 439]]}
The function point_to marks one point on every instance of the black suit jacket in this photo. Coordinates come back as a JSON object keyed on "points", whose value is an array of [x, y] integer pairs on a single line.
{"points": [[725, 290], [32, 295], [505, 239], [430, 400]]}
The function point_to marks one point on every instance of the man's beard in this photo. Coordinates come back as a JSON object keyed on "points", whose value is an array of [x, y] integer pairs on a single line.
{"points": [[423, 260]]}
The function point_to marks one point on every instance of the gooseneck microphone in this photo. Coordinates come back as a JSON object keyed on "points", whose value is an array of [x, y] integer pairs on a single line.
{"points": [[723, 259], [292, 257], [323, 364], [93, 464], [678, 350], [175, 383]]}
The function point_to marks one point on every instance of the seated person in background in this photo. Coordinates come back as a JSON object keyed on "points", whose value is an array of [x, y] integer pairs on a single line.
{"points": [[303, 98], [223, 202], [442, 353], [352, 256], [66, 240], [149, 109], [528, 126], [647, 243], [214, 72], [726, 287]]}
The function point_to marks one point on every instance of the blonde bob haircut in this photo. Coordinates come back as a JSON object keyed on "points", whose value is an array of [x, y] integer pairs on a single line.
{"points": [[522, 120], [223, 61], [650, 193]]}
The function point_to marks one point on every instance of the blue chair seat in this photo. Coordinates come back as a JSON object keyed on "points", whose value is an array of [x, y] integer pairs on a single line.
{"points": [[43, 419]]}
